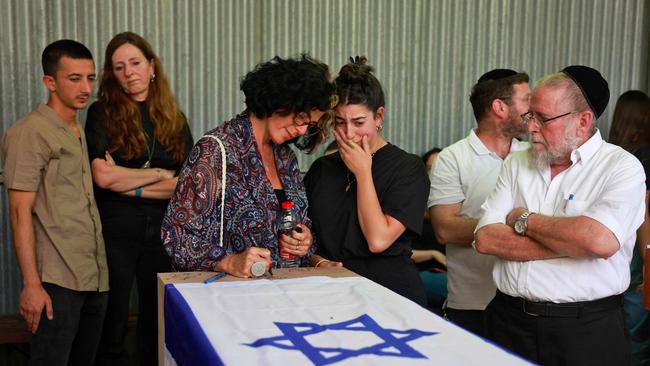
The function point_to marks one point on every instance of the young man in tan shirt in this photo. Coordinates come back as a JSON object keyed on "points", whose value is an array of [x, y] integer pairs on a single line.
{"points": [[56, 229]]}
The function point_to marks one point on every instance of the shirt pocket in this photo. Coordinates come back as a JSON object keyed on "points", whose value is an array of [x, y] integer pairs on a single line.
{"points": [[575, 207]]}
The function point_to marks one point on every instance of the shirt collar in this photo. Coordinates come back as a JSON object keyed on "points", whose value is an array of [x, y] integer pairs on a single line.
{"points": [[587, 150], [480, 149], [517, 145], [51, 114], [477, 144]]}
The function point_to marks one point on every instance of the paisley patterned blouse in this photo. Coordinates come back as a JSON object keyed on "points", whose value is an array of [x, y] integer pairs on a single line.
{"points": [[191, 227]]}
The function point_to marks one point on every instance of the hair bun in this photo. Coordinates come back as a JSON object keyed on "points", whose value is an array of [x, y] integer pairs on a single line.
{"points": [[356, 84], [356, 71]]}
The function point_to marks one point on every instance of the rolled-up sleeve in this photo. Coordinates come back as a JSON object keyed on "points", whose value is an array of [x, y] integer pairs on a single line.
{"points": [[25, 154], [619, 206]]}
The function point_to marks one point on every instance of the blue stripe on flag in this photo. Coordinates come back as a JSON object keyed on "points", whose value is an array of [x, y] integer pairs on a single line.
{"points": [[184, 336]]}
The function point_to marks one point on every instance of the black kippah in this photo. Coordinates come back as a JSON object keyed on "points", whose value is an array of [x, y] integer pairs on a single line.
{"points": [[592, 84], [496, 74]]}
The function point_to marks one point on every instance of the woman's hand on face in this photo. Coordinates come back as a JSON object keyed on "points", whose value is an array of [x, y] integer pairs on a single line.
{"points": [[240, 264], [357, 158], [298, 243]]}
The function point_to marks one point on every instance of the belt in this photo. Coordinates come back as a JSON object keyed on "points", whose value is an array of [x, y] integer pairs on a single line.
{"points": [[561, 310]]}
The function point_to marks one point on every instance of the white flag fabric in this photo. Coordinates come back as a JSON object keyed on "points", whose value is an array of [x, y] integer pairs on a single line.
{"points": [[313, 321]]}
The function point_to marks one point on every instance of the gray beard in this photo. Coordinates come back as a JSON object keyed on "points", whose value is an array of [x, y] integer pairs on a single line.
{"points": [[544, 159]]}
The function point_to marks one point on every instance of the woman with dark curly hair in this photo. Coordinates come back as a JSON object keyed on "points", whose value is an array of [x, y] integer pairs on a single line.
{"points": [[137, 139], [224, 214], [367, 200]]}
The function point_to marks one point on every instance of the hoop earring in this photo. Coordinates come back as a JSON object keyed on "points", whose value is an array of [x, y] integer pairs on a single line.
{"points": [[380, 127]]}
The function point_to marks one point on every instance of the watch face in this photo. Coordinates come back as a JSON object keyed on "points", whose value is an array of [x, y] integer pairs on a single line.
{"points": [[258, 269], [520, 227]]}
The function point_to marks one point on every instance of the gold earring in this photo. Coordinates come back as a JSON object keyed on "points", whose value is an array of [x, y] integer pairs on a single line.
{"points": [[380, 127]]}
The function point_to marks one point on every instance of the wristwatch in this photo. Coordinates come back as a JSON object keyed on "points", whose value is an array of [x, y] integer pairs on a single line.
{"points": [[258, 269], [521, 225]]}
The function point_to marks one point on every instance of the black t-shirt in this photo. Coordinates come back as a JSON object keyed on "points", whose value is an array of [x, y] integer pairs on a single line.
{"points": [[98, 144], [402, 186], [281, 196]]}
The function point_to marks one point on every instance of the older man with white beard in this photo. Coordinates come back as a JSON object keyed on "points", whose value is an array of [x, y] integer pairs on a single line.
{"points": [[562, 221]]}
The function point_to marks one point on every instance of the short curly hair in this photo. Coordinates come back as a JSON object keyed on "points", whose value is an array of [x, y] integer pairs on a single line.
{"points": [[292, 85]]}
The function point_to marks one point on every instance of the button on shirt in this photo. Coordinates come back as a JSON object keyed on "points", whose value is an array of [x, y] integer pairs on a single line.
{"points": [[466, 172], [605, 183], [41, 154]]}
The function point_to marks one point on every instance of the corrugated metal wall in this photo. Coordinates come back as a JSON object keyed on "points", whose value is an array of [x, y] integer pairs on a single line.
{"points": [[427, 53]]}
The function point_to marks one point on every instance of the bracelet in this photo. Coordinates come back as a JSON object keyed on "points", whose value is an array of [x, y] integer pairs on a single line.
{"points": [[647, 246], [321, 261], [138, 192]]}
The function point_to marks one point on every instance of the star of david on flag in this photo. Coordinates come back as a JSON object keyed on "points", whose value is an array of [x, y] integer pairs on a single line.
{"points": [[394, 343]]}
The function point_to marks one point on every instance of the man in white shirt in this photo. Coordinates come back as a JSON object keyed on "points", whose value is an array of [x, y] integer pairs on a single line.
{"points": [[562, 220], [464, 174]]}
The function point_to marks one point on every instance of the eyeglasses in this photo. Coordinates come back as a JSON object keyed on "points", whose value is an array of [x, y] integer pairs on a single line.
{"points": [[302, 119], [529, 116]]}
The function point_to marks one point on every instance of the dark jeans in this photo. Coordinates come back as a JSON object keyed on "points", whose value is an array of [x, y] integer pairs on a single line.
{"points": [[133, 251], [596, 335], [72, 336], [471, 320]]}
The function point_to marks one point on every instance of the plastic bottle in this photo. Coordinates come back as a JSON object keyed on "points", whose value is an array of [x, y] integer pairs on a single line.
{"points": [[287, 223]]}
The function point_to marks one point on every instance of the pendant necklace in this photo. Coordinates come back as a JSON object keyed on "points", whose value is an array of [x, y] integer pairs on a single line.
{"points": [[147, 163], [354, 179], [347, 176]]}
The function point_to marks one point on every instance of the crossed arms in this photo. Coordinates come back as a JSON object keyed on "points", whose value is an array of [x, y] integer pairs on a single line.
{"points": [[547, 237]]}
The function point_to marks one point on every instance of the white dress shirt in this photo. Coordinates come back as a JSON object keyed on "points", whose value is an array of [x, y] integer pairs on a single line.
{"points": [[466, 172], [605, 183]]}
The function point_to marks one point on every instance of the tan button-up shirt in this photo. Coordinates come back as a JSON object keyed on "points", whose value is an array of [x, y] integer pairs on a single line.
{"points": [[41, 154]]}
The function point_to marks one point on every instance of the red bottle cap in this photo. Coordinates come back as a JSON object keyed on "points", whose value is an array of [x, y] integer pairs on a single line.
{"points": [[286, 255], [286, 205]]}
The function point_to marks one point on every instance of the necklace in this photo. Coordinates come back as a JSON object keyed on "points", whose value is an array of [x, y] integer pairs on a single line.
{"points": [[147, 163], [354, 178], [347, 176]]}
